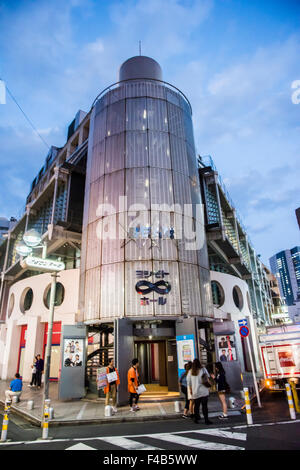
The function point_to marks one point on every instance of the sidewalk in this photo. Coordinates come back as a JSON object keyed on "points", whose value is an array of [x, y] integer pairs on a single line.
{"points": [[92, 411]]}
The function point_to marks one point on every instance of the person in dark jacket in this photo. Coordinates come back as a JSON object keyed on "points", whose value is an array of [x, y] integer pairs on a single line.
{"points": [[39, 365], [222, 387]]}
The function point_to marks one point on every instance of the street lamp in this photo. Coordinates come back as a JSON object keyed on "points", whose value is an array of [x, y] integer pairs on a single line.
{"points": [[32, 239]]}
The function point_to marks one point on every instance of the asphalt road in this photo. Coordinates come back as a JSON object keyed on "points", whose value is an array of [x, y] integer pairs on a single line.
{"points": [[272, 430]]}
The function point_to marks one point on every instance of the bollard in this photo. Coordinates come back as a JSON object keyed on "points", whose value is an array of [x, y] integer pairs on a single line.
{"points": [[295, 395], [177, 406], [290, 401], [108, 411], [30, 405], [46, 419], [231, 402], [5, 420], [248, 406], [15, 399]]}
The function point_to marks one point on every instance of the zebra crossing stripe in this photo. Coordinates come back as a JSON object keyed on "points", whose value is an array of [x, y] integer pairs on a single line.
{"points": [[127, 443], [195, 443], [241, 436]]}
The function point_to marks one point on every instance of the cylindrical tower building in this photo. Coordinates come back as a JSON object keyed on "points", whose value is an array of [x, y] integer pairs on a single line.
{"points": [[140, 259]]}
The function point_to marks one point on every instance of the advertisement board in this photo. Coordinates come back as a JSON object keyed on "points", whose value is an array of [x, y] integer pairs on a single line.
{"points": [[185, 351]]}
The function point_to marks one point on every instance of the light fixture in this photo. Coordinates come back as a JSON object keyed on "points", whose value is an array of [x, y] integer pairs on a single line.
{"points": [[32, 237], [23, 249]]}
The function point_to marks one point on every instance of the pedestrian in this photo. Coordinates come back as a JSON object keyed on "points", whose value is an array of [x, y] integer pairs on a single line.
{"points": [[184, 388], [33, 376], [111, 389], [133, 383], [198, 384], [222, 387], [39, 365], [15, 388]]}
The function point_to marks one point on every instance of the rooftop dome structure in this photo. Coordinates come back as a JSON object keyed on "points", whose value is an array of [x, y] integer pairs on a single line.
{"points": [[140, 67]]}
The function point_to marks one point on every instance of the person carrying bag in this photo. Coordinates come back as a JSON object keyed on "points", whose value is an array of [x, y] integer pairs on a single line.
{"points": [[198, 383], [113, 380]]}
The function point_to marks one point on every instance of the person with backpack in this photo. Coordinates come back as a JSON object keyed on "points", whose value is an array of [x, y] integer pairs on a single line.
{"points": [[198, 384], [184, 388], [222, 388]]}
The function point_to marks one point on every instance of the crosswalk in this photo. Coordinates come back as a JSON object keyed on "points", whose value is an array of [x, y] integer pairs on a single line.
{"points": [[206, 439]]}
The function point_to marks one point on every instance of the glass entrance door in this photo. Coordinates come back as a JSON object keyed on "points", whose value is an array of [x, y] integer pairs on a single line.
{"points": [[152, 362]]}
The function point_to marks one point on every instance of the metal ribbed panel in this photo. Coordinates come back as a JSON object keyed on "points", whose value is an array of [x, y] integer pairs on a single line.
{"points": [[114, 188], [159, 150], [96, 198], [112, 292], [137, 187], [190, 289], [114, 153], [179, 155], [98, 161], [132, 298], [161, 187], [92, 294], [93, 256], [136, 149]]}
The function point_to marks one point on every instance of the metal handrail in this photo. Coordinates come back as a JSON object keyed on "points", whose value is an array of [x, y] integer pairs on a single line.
{"points": [[114, 85]]}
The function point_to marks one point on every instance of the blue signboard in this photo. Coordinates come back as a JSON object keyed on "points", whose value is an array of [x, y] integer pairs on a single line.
{"points": [[243, 322], [186, 351]]}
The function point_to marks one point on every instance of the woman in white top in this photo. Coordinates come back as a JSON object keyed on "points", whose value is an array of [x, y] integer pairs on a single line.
{"points": [[198, 391]]}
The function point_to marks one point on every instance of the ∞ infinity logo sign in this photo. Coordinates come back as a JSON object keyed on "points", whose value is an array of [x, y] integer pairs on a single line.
{"points": [[145, 287]]}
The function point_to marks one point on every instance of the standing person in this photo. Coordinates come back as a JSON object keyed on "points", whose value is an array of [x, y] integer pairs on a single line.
{"points": [[133, 383], [15, 388], [33, 376], [112, 387], [184, 388], [196, 379], [222, 386], [39, 370]]}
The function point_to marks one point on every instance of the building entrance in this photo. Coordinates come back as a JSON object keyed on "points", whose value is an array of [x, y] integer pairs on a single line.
{"points": [[152, 356]]}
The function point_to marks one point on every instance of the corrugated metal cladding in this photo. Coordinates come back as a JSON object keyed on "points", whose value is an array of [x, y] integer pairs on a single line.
{"points": [[142, 147]]}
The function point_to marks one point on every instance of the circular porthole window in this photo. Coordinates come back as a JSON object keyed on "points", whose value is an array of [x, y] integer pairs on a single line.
{"points": [[26, 300], [11, 305], [59, 295], [218, 295], [237, 297]]}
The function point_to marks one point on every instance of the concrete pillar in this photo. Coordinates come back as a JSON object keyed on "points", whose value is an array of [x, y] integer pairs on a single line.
{"points": [[34, 344], [2, 345], [11, 352]]}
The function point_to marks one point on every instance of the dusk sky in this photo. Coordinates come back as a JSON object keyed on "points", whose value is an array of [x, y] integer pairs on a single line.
{"points": [[235, 60]]}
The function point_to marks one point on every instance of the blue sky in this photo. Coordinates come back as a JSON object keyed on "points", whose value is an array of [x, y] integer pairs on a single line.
{"points": [[234, 59]]}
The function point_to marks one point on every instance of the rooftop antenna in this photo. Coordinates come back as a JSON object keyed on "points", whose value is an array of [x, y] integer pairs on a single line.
{"points": [[140, 47]]}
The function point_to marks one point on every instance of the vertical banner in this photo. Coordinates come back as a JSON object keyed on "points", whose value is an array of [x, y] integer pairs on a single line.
{"points": [[185, 351]]}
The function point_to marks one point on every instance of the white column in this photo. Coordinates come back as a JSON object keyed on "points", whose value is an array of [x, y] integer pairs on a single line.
{"points": [[34, 344], [11, 352]]}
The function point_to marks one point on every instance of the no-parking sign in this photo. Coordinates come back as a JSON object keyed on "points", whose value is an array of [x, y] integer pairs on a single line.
{"points": [[244, 331]]}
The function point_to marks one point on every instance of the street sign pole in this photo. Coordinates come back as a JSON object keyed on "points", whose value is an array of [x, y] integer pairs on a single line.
{"points": [[253, 372]]}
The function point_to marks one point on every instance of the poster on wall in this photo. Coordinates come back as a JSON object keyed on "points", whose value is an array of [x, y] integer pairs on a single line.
{"points": [[185, 351], [226, 348], [73, 352]]}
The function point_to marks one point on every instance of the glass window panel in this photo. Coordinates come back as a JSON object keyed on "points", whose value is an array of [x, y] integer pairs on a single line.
{"points": [[93, 253], [92, 294], [175, 116], [136, 114], [190, 289], [182, 190], [98, 160], [139, 246], [100, 126], [96, 198], [157, 114], [112, 246], [137, 187], [179, 155], [189, 131], [113, 189], [173, 97], [115, 118], [155, 91], [134, 89], [161, 187], [114, 153], [116, 94], [136, 149], [112, 290], [159, 149]]}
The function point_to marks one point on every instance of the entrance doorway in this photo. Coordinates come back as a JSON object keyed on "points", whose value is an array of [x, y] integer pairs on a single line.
{"points": [[152, 358]]}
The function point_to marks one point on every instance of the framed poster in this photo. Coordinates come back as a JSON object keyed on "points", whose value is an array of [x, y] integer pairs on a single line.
{"points": [[73, 352], [185, 351], [101, 378], [226, 348]]}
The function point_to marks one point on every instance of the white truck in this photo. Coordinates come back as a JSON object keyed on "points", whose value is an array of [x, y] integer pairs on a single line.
{"points": [[280, 355]]}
